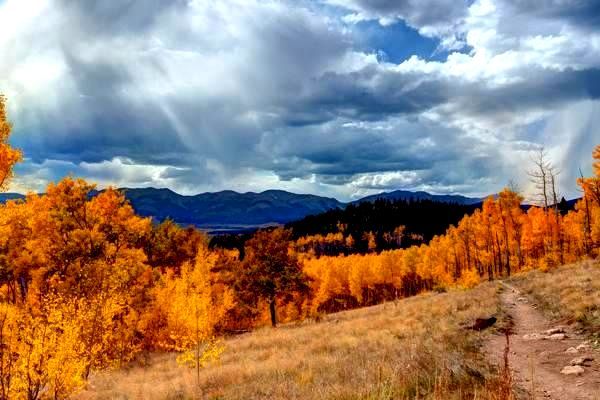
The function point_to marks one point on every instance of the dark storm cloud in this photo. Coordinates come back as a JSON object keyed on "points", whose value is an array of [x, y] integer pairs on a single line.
{"points": [[339, 153], [117, 17], [121, 118], [370, 94], [114, 124], [431, 13], [540, 89], [580, 13], [375, 93], [414, 12]]}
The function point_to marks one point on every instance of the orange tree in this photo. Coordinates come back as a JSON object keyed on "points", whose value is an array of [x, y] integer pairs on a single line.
{"points": [[8, 156], [270, 270]]}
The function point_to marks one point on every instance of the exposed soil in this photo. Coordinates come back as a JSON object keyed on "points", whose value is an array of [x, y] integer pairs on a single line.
{"points": [[536, 364]]}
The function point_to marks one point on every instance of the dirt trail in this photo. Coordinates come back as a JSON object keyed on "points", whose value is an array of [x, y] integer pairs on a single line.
{"points": [[537, 364]]}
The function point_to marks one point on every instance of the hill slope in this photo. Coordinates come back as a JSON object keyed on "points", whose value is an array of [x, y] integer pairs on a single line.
{"points": [[391, 351], [412, 348]]}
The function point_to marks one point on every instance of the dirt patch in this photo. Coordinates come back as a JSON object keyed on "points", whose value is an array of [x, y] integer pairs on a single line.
{"points": [[538, 354]]}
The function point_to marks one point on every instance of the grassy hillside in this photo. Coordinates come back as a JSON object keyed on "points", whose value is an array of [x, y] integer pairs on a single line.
{"points": [[413, 348], [570, 293]]}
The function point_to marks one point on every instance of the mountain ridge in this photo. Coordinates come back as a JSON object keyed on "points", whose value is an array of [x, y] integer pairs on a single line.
{"points": [[421, 195], [229, 210]]}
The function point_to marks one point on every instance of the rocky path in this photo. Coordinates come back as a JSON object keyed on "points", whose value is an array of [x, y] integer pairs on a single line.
{"points": [[548, 361]]}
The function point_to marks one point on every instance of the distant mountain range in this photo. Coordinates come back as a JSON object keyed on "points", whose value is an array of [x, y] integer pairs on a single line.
{"points": [[228, 210], [4, 197], [232, 211]]}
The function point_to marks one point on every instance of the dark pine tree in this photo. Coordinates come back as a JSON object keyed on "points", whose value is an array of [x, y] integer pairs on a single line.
{"points": [[270, 272]]}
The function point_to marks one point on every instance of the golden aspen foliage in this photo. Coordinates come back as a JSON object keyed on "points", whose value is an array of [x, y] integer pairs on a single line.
{"points": [[67, 366], [469, 279], [82, 248], [191, 305], [41, 352], [596, 164], [9, 342], [349, 241], [369, 237], [8, 156]]}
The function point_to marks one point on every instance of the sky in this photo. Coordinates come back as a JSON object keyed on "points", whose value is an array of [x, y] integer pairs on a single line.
{"points": [[340, 98]]}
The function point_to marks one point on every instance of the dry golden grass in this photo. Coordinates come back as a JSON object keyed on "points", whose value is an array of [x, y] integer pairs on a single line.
{"points": [[570, 293], [415, 348]]}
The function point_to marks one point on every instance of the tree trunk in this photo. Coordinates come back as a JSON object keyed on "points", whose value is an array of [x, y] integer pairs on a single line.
{"points": [[273, 313], [196, 314], [587, 234]]}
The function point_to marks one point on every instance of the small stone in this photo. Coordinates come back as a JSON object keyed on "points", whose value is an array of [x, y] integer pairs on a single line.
{"points": [[522, 299], [555, 331], [571, 350], [572, 370], [557, 336], [544, 355], [583, 346], [533, 336], [581, 360]]}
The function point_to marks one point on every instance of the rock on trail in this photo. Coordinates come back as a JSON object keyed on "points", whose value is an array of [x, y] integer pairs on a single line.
{"points": [[572, 370]]}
